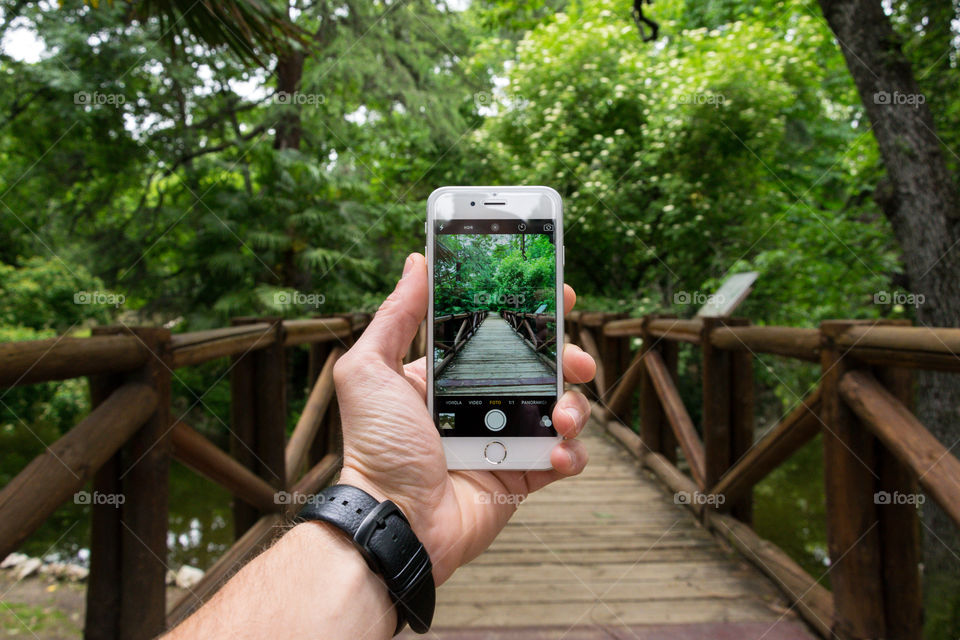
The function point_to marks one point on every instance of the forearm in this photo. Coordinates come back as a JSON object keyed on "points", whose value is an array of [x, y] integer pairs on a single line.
{"points": [[311, 584]]}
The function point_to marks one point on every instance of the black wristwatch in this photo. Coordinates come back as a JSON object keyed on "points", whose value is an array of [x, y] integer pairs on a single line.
{"points": [[383, 535]]}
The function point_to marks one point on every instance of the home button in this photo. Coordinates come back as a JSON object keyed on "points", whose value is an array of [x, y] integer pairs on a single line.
{"points": [[494, 452]]}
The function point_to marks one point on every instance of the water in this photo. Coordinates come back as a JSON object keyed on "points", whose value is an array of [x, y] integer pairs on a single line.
{"points": [[200, 525], [789, 510]]}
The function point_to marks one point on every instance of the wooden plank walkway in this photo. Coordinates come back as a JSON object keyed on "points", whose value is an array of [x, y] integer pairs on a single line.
{"points": [[610, 555], [478, 368]]}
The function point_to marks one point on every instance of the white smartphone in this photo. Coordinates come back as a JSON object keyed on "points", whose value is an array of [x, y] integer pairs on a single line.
{"points": [[495, 331]]}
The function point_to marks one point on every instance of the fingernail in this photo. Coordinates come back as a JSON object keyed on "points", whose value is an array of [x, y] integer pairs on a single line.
{"points": [[573, 458], [407, 266], [574, 414]]}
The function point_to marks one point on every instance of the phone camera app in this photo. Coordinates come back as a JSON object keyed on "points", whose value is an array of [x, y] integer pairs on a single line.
{"points": [[548, 227], [494, 227]]}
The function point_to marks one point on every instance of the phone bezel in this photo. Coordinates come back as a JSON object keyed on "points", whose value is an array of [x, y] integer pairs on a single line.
{"points": [[523, 453]]}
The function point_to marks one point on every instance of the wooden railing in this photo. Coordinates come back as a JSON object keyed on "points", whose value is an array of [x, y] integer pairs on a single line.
{"points": [[451, 332], [536, 332], [125, 444], [873, 446], [875, 451]]}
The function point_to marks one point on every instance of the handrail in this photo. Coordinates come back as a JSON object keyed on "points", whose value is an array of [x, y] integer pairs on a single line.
{"points": [[469, 325], [912, 347], [864, 413], [535, 335], [193, 349], [130, 369], [792, 342], [61, 358], [730, 467], [66, 465], [674, 329], [937, 469], [315, 330]]}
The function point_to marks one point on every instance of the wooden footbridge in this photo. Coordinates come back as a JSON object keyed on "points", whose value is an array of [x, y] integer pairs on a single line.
{"points": [[475, 365], [653, 541]]}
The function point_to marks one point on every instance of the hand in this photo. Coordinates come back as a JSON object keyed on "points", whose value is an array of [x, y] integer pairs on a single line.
{"points": [[392, 449]]}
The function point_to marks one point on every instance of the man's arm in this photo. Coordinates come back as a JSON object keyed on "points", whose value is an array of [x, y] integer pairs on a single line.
{"points": [[312, 583]]}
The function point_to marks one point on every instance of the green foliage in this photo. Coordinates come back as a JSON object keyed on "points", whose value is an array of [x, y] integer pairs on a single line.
{"points": [[494, 272], [735, 142], [37, 300], [682, 162]]}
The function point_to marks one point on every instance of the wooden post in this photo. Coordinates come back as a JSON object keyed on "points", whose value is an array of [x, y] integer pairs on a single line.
{"points": [[655, 431], [716, 404], [129, 546], [259, 415], [727, 408], [320, 445], [741, 422], [853, 532], [668, 440], [651, 412], [615, 352], [270, 387], [143, 558], [242, 426], [900, 526], [102, 618]]}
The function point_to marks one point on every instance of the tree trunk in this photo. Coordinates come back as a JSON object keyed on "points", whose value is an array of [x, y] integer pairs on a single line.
{"points": [[288, 133], [289, 74], [919, 198]]}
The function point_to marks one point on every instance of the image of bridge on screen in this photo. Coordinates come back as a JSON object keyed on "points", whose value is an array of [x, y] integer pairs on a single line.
{"points": [[495, 329]]}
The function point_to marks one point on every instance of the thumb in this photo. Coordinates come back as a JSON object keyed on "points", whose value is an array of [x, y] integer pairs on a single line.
{"points": [[397, 320]]}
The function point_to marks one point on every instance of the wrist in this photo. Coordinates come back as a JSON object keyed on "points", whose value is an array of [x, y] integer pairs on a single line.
{"points": [[333, 547], [419, 524]]}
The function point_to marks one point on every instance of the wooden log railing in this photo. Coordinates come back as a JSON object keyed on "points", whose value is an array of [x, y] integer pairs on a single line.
{"points": [[877, 455], [451, 333], [537, 330], [125, 444], [873, 445]]}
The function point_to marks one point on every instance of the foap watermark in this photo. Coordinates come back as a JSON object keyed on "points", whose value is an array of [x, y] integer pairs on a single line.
{"points": [[99, 297], [298, 98], [501, 299], [897, 498], [914, 300], [714, 99], [287, 298], [489, 100], [297, 498], [96, 497], [712, 499], [485, 497], [86, 98], [897, 98], [698, 297]]}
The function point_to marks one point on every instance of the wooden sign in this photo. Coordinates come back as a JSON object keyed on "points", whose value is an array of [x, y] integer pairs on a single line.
{"points": [[728, 297]]}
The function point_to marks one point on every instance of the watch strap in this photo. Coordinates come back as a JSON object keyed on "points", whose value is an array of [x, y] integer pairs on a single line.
{"points": [[391, 549]]}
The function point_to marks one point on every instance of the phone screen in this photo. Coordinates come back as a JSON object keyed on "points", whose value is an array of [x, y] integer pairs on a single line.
{"points": [[495, 327]]}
